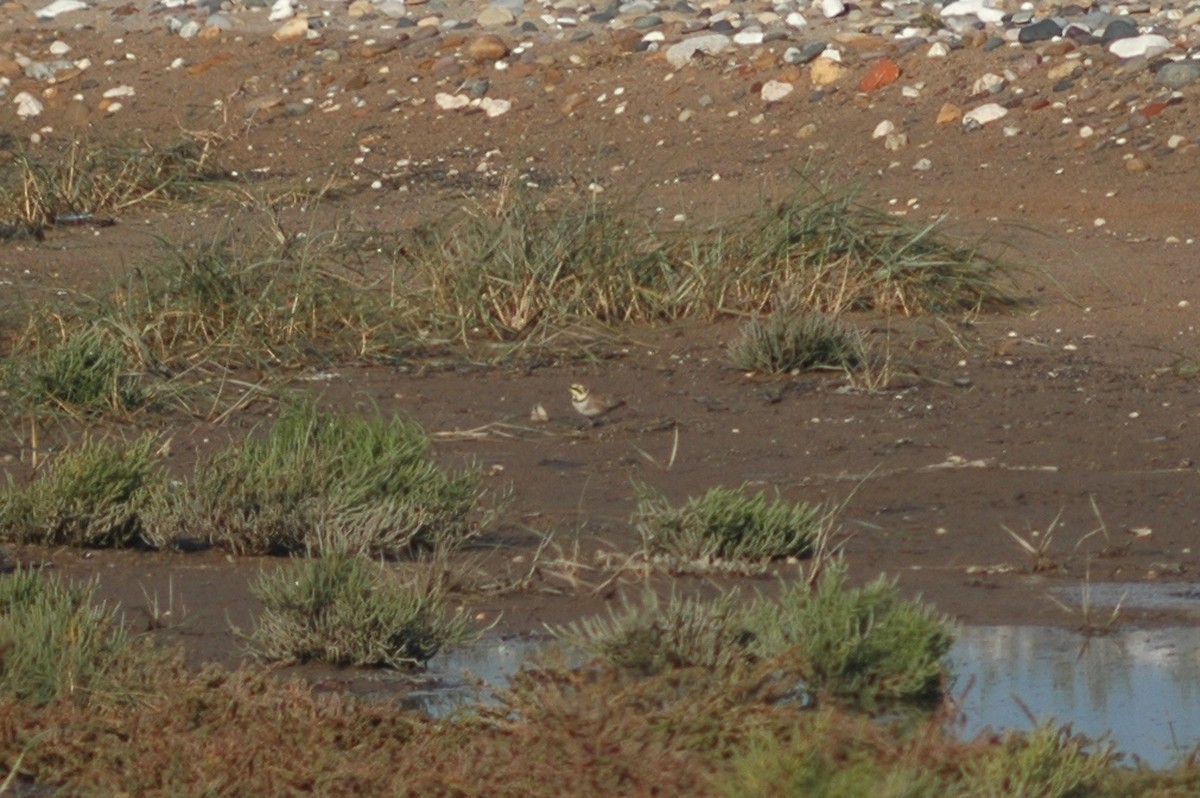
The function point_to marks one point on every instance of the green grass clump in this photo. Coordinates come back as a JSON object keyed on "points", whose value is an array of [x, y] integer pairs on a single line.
{"points": [[725, 525], [95, 494], [512, 281], [345, 610], [509, 271], [826, 250], [57, 643], [84, 370], [649, 638], [821, 643], [523, 270], [795, 339], [270, 298], [87, 178], [327, 482]]}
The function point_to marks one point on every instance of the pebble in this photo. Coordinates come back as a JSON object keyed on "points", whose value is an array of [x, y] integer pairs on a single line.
{"points": [[1110, 65], [28, 105], [1178, 74], [1118, 29], [832, 8], [882, 73], [281, 10], [984, 114], [679, 55], [982, 10], [948, 114], [824, 71], [1147, 45], [495, 16], [59, 7], [1039, 31], [294, 28], [775, 90], [486, 48]]}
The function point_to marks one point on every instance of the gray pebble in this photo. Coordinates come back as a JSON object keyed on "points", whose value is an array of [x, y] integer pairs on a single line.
{"points": [[1039, 31], [1178, 74], [1120, 28]]}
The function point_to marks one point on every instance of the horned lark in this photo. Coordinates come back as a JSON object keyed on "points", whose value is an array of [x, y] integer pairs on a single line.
{"points": [[592, 406]]}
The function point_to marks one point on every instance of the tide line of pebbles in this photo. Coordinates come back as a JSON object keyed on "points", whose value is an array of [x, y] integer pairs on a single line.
{"points": [[1140, 58]]}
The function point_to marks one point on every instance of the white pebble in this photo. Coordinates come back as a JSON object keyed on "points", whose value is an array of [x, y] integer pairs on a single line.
{"points": [[28, 105], [832, 8]]}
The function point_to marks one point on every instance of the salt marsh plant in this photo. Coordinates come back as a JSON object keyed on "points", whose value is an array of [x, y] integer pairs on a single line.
{"points": [[266, 297], [57, 642], [794, 338], [863, 646], [648, 636], [1047, 761], [512, 269], [346, 610], [522, 270], [330, 483], [726, 524], [80, 370], [96, 493], [829, 756], [825, 249], [88, 178], [825, 642]]}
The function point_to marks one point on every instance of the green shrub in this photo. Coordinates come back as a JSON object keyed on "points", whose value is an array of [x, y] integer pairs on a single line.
{"points": [[863, 645], [345, 610], [317, 480], [95, 494], [795, 339], [725, 524]]}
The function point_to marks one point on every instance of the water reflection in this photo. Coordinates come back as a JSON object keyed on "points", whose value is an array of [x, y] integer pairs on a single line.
{"points": [[470, 674], [1142, 685]]}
